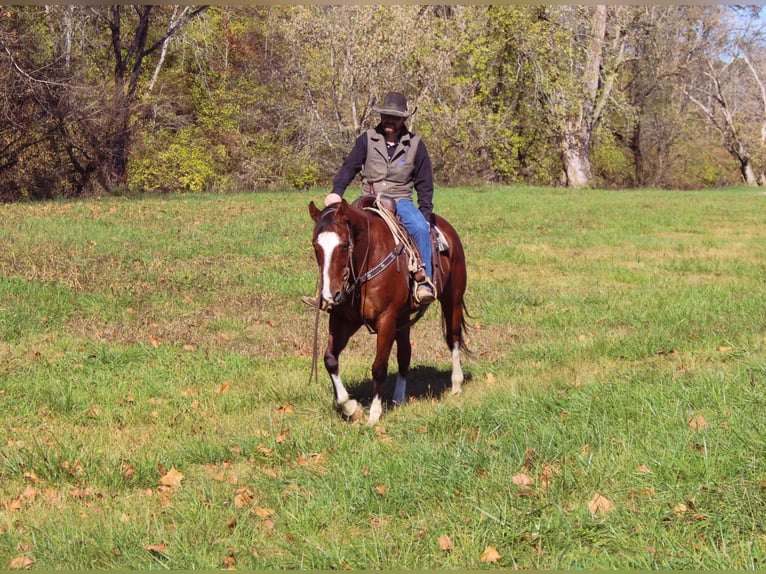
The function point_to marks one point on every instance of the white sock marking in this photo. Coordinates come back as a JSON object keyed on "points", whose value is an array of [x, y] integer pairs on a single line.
{"points": [[376, 409], [457, 371]]}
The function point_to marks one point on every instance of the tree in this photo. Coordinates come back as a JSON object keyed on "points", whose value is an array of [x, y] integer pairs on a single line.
{"points": [[726, 86], [81, 67]]}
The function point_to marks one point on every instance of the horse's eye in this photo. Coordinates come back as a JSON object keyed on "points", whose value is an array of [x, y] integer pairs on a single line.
{"points": [[346, 247]]}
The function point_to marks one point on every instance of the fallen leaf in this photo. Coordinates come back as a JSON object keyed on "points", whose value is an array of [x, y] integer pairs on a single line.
{"points": [[83, 493], [490, 554], [173, 478], [159, 549], [599, 504], [522, 479], [244, 497], [21, 563], [445, 544], [697, 423], [263, 512], [381, 489], [128, 470], [643, 469], [680, 509], [284, 409], [31, 476], [264, 450], [378, 523], [230, 561], [283, 436]]}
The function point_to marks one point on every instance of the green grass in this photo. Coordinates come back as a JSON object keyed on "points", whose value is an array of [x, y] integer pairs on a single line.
{"points": [[618, 342]]}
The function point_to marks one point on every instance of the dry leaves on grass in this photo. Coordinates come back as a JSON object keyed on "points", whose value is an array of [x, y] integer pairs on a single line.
{"points": [[172, 478], [445, 544], [490, 555], [523, 480], [243, 497], [697, 422], [21, 563], [600, 504], [157, 549]]}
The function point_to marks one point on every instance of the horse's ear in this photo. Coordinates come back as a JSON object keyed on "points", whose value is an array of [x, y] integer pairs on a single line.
{"points": [[314, 211], [342, 208]]}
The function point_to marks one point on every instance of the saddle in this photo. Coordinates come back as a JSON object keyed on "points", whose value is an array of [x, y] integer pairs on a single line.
{"points": [[439, 243]]}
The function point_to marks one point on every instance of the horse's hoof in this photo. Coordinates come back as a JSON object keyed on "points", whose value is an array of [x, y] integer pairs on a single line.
{"points": [[456, 391]]}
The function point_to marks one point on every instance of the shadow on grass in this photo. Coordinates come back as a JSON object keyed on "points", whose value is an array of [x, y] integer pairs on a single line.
{"points": [[422, 382]]}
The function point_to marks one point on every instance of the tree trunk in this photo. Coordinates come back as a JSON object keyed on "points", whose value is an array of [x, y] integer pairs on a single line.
{"points": [[747, 171], [573, 149], [574, 142]]}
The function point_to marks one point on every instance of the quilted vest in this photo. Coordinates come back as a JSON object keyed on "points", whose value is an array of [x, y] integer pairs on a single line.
{"points": [[393, 177]]}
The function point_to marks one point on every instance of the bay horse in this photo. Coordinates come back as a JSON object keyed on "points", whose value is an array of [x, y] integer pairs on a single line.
{"points": [[365, 280]]}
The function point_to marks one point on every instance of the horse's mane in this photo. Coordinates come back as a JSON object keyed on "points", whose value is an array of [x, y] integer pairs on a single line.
{"points": [[327, 216]]}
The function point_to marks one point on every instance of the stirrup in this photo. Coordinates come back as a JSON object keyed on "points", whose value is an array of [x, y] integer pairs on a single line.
{"points": [[425, 292], [314, 302]]}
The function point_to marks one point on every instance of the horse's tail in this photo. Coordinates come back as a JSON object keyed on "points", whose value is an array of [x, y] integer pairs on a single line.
{"points": [[463, 330]]}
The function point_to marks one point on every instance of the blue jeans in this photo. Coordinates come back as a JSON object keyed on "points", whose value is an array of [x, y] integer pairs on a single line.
{"points": [[419, 228]]}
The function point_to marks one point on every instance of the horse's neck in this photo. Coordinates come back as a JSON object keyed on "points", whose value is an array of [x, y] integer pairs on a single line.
{"points": [[372, 238]]}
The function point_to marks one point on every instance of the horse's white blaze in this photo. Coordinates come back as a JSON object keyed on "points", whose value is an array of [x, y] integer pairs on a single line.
{"points": [[457, 370], [376, 410], [400, 390], [328, 241]]}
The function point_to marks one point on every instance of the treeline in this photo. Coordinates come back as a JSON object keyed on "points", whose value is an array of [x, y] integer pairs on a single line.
{"points": [[126, 99]]}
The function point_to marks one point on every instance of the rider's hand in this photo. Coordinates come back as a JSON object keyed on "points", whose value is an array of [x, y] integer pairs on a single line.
{"points": [[331, 198]]}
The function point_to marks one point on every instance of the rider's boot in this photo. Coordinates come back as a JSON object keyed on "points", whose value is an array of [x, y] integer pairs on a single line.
{"points": [[425, 293]]}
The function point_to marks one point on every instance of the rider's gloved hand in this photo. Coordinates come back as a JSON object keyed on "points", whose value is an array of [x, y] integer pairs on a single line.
{"points": [[331, 198]]}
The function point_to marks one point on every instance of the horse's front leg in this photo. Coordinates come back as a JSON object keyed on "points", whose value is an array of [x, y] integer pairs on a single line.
{"points": [[385, 342], [340, 333], [403, 357]]}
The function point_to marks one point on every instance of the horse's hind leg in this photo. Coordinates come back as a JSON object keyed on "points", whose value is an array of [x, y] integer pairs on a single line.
{"points": [[454, 324], [339, 336]]}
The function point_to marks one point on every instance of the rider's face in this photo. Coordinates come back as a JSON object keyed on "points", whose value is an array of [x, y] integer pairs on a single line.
{"points": [[391, 125]]}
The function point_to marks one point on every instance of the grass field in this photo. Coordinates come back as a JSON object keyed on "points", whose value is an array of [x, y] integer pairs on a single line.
{"points": [[158, 411]]}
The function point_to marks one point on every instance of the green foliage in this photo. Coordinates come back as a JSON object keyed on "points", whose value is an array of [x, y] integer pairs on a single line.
{"points": [[303, 175], [179, 163], [611, 162], [266, 97]]}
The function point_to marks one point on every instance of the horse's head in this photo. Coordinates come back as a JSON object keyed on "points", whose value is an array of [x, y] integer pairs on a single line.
{"points": [[333, 247]]}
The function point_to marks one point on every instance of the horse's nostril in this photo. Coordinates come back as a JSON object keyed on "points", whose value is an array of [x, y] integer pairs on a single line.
{"points": [[337, 297]]}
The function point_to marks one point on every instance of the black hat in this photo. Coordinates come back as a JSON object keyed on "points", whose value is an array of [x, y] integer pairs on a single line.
{"points": [[394, 104]]}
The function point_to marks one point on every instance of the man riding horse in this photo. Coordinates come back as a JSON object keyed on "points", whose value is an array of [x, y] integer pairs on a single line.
{"points": [[393, 161]]}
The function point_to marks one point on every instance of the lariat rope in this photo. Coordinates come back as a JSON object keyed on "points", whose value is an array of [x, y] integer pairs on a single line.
{"points": [[315, 354], [399, 233]]}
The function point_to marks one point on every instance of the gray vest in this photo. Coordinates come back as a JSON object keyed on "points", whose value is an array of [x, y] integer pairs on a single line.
{"points": [[394, 177]]}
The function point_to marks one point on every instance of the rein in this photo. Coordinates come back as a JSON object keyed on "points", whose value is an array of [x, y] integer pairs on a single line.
{"points": [[315, 351]]}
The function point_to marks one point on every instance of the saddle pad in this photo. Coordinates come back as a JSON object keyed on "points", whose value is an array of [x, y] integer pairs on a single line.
{"points": [[441, 240]]}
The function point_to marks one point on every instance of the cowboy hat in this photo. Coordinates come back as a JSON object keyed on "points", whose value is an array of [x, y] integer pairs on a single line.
{"points": [[394, 104]]}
